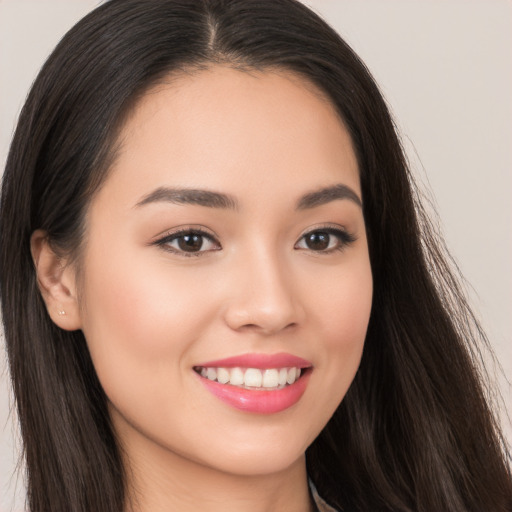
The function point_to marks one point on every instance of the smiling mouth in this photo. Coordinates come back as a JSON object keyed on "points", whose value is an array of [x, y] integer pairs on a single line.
{"points": [[253, 378]]}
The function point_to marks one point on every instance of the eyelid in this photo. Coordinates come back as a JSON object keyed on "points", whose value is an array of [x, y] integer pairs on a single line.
{"points": [[324, 227], [185, 228]]}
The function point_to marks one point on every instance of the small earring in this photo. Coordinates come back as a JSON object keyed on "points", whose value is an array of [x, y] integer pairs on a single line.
{"points": [[61, 312]]}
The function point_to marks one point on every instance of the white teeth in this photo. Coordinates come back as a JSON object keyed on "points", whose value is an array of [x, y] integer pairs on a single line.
{"points": [[270, 378], [223, 375], [253, 378], [237, 377]]}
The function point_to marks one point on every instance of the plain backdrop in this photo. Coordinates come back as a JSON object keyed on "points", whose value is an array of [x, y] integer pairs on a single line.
{"points": [[445, 68]]}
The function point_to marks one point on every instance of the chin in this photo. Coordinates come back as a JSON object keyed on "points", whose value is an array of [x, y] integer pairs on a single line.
{"points": [[260, 463]]}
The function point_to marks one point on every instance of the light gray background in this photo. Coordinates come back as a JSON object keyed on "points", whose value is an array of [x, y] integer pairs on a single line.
{"points": [[446, 71]]}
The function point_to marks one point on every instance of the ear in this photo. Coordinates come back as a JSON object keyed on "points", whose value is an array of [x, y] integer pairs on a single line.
{"points": [[57, 283]]}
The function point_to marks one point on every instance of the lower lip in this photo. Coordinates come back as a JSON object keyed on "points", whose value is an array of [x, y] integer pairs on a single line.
{"points": [[259, 400]]}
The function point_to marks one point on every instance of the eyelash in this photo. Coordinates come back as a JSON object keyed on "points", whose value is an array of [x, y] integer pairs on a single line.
{"points": [[345, 239]]}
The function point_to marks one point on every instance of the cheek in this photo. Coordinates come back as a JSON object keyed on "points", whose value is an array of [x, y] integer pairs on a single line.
{"points": [[346, 318], [342, 316], [139, 314], [343, 304]]}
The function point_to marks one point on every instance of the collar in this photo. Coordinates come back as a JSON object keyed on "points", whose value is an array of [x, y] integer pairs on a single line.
{"points": [[320, 503]]}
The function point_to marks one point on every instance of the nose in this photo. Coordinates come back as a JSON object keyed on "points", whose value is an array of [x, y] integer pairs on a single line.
{"points": [[264, 298]]}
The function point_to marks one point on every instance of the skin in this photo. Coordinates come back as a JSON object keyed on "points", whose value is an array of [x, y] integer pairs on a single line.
{"points": [[150, 313]]}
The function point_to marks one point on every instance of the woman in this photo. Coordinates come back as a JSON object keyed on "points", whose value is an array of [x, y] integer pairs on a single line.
{"points": [[217, 289]]}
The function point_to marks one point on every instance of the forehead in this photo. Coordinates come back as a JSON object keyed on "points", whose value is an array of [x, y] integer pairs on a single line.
{"points": [[228, 128]]}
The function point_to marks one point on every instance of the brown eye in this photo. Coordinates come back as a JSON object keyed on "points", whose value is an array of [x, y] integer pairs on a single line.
{"points": [[190, 243], [317, 241], [325, 240]]}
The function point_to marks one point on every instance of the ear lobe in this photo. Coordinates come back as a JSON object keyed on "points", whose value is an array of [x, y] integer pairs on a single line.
{"points": [[56, 281]]}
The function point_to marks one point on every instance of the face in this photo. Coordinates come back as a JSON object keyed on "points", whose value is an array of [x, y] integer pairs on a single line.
{"points": [[226, 257]]}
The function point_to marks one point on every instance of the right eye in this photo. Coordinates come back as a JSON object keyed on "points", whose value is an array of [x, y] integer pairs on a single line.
{"points": [[189, 242]]}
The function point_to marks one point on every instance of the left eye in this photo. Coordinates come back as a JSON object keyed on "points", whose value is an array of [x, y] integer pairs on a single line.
{"points": [[325, 240], [189, 242]]}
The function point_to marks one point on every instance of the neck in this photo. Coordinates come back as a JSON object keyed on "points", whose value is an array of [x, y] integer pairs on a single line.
{"points": [[159, 483]]}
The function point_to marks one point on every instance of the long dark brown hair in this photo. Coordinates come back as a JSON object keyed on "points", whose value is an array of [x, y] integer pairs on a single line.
{"points": [[414, 432]]}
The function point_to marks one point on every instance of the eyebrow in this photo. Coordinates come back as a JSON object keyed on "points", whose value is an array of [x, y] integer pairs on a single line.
{"points": [[326, 195], [211, 199], [206, 198]]}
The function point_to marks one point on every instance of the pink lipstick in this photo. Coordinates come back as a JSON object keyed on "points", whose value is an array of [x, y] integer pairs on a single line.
{"points": [[258, 383]]}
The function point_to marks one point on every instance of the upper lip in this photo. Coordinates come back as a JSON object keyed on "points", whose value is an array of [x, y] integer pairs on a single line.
{"points": [[261, 361]]}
